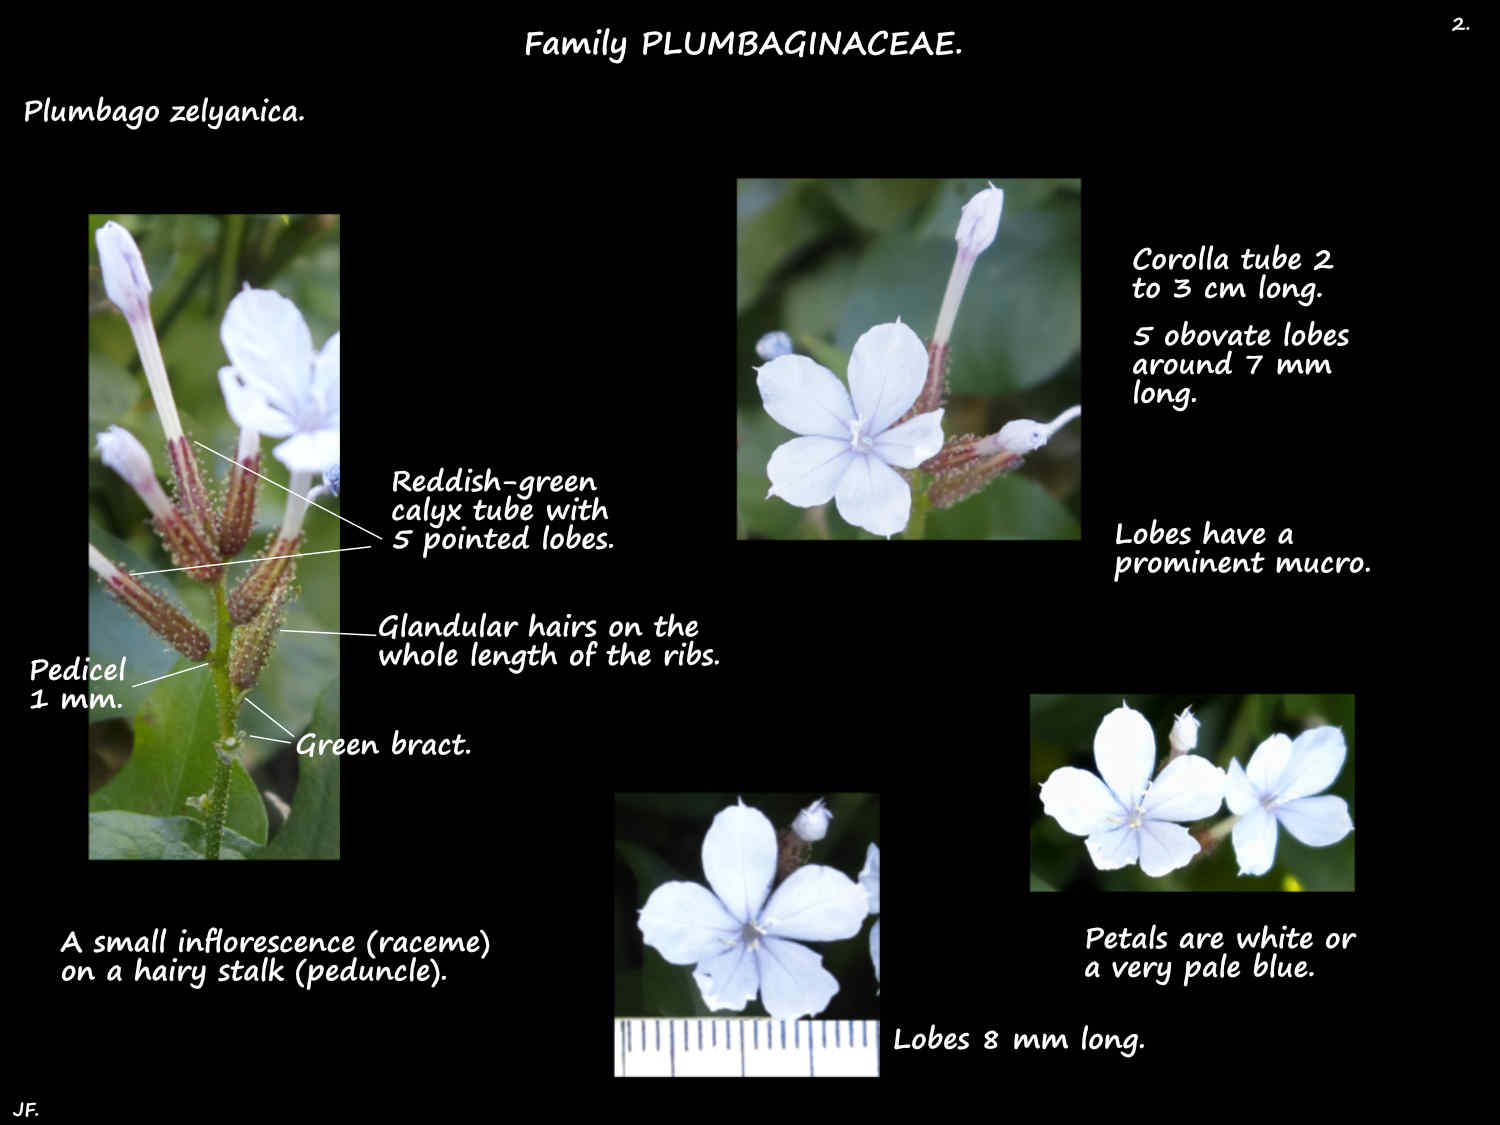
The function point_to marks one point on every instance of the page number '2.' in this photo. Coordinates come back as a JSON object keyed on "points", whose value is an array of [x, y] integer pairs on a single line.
{"points": [[1458, 24]]}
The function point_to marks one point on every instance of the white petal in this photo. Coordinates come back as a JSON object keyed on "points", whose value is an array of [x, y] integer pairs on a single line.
{"points": [[1165, 847], [912, 442], [1080, 802], [1190, 788], [1317, 757], [1268, 763], [266, 338], [249, 407], [326, 375], [739, 858], [1118, 847], [1125, 752], [793, 982], [873, 496], [1255, 841], [816, 903], [805, 397], [886, 371], [728, 980], [875, 949], [1239, 794], [309, 452], [1316, 821], [807, 470], [869, 877], [685, 923]]}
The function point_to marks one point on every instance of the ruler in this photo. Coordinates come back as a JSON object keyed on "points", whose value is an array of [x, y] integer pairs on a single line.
{"points": [[747, 1048]]}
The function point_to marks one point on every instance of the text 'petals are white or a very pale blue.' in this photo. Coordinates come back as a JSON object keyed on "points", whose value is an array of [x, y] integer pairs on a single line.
{"points": [[739, 936], [812, 822], [851, 446], [277, 384], [1125, 816], [1277, 788]]}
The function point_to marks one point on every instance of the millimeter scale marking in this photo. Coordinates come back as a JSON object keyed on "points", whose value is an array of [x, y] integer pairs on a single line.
{"points": [[686, 1048]]}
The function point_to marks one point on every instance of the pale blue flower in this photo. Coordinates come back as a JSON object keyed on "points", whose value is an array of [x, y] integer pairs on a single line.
{"points": [[851, 445], [738, 935], [1126, 816], [1277, 788]]}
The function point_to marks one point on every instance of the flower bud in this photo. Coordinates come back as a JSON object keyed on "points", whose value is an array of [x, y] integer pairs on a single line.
{"points": [[1184, 736], [331, 479], [192, 493], [129, 287], [238, 519], [976, 230], [979, 221], [812, 822], [185, 542], [125, 278], [773, 345], [161, 616], [1023, 435], [257, 588], [252, 642], [123, 452]]}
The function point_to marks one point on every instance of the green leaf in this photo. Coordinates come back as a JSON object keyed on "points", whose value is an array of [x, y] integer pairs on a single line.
{"points": [[1040, 884], [669, 990], [649, 869], [814, 300], [112, 393], [1012, 507], [173, 759], [775, 220], [878, 205], [127, 835], [312, 829]]}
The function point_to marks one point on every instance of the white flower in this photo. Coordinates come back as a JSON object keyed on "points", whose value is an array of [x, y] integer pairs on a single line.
{"points": [[869, 879], [737, 934], [1126, 816], [1278, 787], [851, 443], [1184, 736], [979, 221], [812, 822], [277, 384]]}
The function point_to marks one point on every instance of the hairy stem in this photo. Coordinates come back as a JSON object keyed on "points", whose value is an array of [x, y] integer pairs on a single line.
{"points": [[225, 697]]}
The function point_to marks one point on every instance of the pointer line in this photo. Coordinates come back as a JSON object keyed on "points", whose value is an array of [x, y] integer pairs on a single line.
{"points": [[245, 562], [284, 488]]}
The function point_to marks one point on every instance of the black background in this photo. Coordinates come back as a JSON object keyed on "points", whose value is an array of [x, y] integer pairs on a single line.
{"points": [[595, 209]]}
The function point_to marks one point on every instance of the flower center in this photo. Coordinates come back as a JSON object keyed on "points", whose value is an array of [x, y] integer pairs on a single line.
{"points": [[1268, 800], [1137, 815], [859, 441], [751, 935]]}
